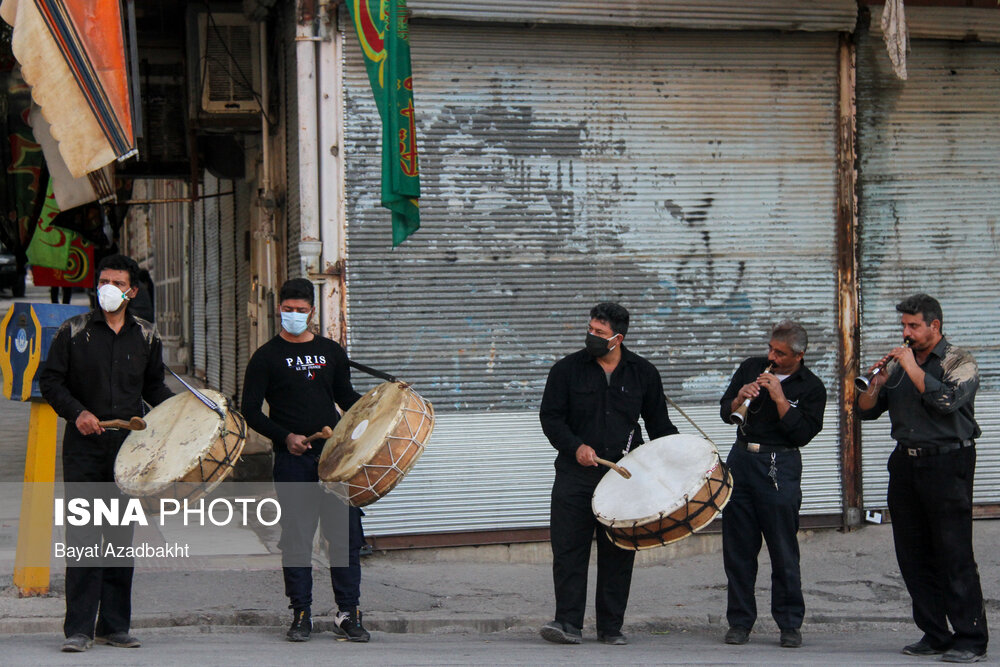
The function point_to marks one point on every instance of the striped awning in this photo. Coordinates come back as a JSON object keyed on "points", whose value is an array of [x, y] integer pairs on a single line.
{"points": [[72, 54]]}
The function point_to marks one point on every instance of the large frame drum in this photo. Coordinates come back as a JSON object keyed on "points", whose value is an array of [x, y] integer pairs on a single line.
{"points": [[678, 485], [376, 443], [184, 452]]}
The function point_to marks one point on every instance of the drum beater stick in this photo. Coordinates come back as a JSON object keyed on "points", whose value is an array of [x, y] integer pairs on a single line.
{"points": [[200, 396]]}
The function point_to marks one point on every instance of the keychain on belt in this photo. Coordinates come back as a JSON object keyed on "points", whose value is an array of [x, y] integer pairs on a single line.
{"points": [[773, 472]]}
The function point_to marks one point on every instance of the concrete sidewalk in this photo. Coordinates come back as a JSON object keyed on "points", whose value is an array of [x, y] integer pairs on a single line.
{"points": [[850, 581]]}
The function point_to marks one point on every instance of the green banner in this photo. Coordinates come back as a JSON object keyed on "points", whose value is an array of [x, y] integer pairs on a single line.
{"points": [[383, 31], [49, 245]]}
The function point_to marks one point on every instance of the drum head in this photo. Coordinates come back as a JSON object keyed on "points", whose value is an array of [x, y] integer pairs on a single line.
{"points": [[359, 435], [665, 473], [178, 432]]}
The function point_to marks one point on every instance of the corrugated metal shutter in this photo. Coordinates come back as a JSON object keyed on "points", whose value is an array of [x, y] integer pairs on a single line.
{"points": [[243, 193], [689, 176], [168, 269], [213, 282], [227, 288], [712, 14], [930, 210], [291, 124], [199, 323]]}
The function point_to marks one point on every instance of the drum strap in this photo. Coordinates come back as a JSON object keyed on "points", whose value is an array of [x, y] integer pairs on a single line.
{"points": [[371, 371]]}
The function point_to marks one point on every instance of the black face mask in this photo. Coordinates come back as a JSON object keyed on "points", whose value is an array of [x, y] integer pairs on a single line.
{"points": [[598, 346]]}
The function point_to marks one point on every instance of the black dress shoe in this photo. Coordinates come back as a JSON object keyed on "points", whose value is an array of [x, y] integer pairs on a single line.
{"points": [[791, 638], [737, 635], [962, 655], [921, 648]]}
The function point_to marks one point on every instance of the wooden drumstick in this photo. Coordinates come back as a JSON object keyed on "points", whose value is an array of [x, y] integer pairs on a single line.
{"points": [[133, 424], [321, 435], [614, 466]]}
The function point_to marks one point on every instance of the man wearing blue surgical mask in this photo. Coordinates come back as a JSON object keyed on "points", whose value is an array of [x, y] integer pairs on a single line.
{"points": [[591, 407], [304, 377]]}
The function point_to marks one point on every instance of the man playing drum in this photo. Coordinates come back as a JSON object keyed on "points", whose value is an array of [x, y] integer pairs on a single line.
{"points": [[304, 377], [101, 366], [591, 407], [786, 403]]}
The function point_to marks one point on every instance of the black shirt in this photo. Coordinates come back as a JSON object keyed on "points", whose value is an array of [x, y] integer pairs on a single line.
{"points": [[90, 367], [580, 406], [945, 412], [800, 424], [301, 382]]}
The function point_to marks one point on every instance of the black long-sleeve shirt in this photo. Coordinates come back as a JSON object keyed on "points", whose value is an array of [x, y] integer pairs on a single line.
{"points": [[90, 367], [800, 424], [945, 412], [301, 382], [581, 406]]}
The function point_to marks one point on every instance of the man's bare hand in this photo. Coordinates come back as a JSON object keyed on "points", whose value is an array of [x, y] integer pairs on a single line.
{"points": [[297, 444], [585, 456], [87, 423]]}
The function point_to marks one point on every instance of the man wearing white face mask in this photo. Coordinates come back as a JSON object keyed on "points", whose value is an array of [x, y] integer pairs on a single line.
{"points": [[303, 377], [102, 365]]}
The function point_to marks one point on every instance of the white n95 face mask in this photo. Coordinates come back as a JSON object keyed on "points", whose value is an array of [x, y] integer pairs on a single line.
{"points": [[111, 298]]}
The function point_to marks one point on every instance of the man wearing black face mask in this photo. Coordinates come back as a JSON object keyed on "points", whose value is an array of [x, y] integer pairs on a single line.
{"points": [[591, 407]]}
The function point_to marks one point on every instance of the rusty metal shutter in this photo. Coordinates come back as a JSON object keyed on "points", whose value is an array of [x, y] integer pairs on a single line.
{"points": [[290, 120], [930, 208], [688, 175], [243, 194], [710, 14]]}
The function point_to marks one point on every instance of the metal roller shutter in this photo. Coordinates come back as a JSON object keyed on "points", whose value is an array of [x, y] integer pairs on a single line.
{"points": [[213, 283], [711, 14], [227, 288], [198, 296], [930, 206], [688, 175]]}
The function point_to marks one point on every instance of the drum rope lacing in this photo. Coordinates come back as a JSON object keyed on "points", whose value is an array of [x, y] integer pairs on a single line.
{"points": [[644, 533], [395, 460]]}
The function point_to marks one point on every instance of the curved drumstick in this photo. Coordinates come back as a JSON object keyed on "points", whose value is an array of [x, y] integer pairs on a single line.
{"points": [[614, 466], [133, 424], [321, 435]]}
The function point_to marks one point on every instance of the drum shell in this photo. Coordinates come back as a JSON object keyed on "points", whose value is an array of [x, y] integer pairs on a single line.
{"points": [[404, 442], [678, 485], [139, 467], [681, 523]]}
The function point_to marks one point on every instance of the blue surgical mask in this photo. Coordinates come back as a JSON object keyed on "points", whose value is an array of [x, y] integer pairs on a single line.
{"points": [[294, 323]]}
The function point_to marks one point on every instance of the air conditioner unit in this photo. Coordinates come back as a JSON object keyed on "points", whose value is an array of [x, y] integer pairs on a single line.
{"points": [[228, 64]]}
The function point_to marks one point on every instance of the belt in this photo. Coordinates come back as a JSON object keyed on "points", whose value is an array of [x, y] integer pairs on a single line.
{"points": [[758, 448], [934, 450]]}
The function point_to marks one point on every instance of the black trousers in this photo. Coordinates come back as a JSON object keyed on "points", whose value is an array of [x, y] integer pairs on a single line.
{"points": [[930, 502], [572, 527], [757, 511], [98, 596], [305, 505]]}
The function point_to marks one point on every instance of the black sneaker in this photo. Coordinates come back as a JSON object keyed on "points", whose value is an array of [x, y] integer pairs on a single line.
{"points": [[791, 638], [962, 655], [119, 639], [612, 638], [302, 626], [348, 628], [737, 635], [921, 648], [560, 633], [77, 644]]}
